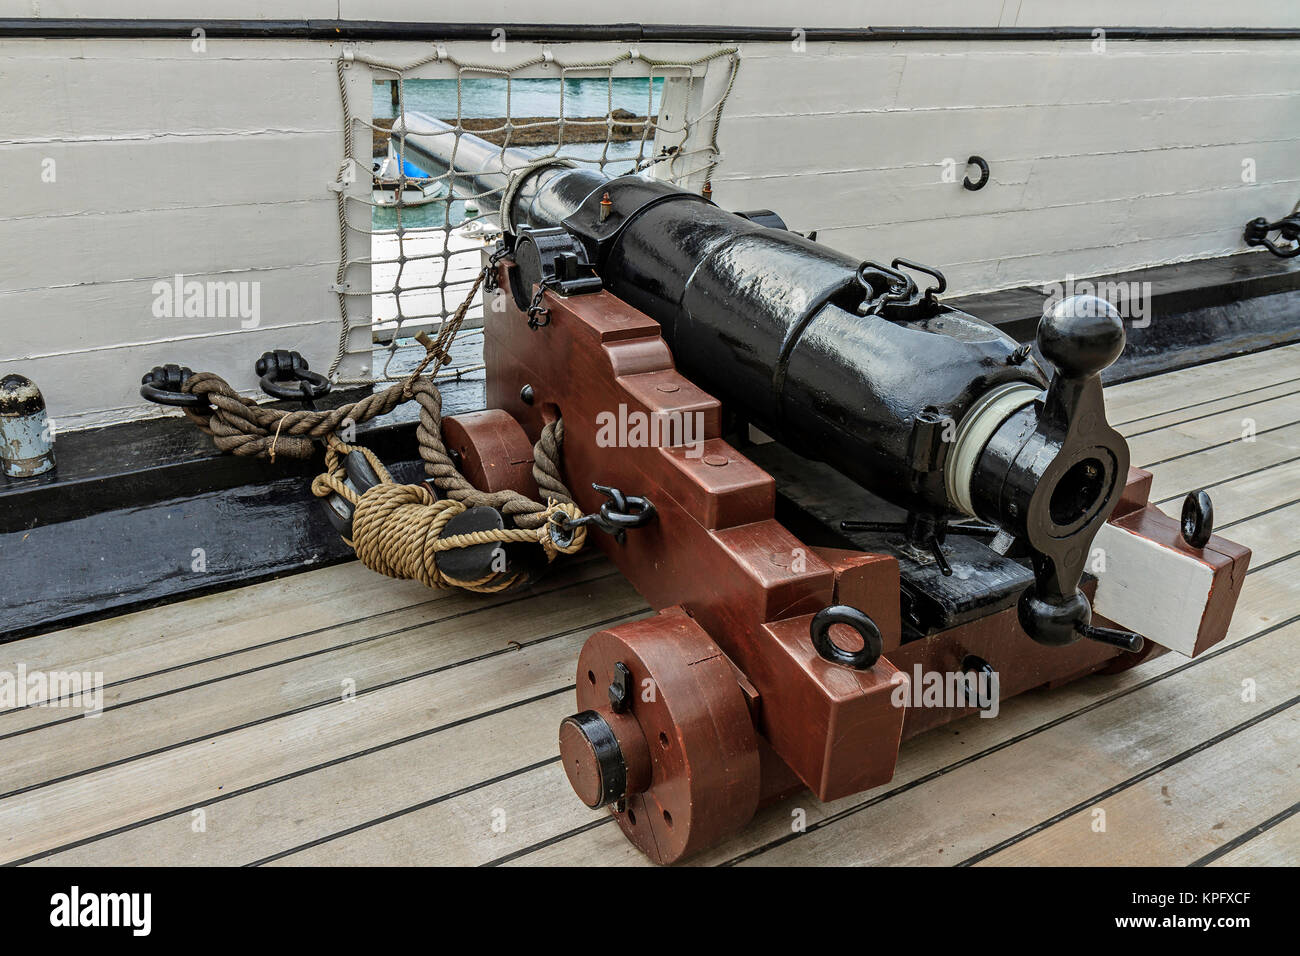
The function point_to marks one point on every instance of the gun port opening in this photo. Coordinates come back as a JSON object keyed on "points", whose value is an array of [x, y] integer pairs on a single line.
{"points": [[1078, 492]]}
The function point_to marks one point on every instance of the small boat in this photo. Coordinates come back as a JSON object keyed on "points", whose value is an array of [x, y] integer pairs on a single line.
{"points": [[393, 178]]}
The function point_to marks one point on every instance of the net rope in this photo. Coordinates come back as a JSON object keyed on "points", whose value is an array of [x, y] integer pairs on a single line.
{"points": [[425, 251]]}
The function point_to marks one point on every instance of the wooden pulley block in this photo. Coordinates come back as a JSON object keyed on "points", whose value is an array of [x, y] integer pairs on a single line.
{"points": [[493, 451], [663, 736]]}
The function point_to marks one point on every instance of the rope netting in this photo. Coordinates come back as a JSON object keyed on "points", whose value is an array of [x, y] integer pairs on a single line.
{"points": [[427, 227]]}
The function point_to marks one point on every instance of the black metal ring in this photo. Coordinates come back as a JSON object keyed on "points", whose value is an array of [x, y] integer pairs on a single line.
{"points": [[171, 377], [984, 174], [304, 384], [561, 529], [1198, 519], [872, 643]]}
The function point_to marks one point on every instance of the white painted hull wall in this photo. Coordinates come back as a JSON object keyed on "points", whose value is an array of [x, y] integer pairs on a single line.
{"points": [[216, 165]]}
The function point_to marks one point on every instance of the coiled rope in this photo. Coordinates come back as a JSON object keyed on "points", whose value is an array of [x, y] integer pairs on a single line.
{"points": [[396, 528]]}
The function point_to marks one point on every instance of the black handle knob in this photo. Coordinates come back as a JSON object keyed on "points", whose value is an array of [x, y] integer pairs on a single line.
{"points": [[1197, 519]]}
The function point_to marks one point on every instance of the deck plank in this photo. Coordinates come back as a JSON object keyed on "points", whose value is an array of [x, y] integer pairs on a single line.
{"points": [[1277, 846], [1175, 817], [75, 744], [389, 630], [1198, 408], [1175, 390], [1236, 426], [103, 800], [230, 705], [253, 826]]}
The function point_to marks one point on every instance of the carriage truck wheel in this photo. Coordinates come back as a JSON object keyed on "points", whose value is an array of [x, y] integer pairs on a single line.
{"points": [[663, 736]]}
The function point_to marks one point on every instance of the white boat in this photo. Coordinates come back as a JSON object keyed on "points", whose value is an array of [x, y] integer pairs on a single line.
{"points": [[390, 186]]}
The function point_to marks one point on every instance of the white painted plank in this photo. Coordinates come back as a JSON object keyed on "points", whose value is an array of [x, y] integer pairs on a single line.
{"points": [[159, 244], [955, 75], [761, 145], [146, 95], [1156, 591], [917, 192], [89, 385], [167, 172]]}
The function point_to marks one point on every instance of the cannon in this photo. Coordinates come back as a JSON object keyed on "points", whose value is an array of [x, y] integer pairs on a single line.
{"points": [[658, 325]]}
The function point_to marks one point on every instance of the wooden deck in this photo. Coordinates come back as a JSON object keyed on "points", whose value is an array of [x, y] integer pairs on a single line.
{"points": [[336, 716]]}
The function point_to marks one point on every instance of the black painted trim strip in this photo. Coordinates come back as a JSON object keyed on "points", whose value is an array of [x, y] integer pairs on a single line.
{"points": [[110, 28], [1137, 778], [283, 778], [1243, 838]]}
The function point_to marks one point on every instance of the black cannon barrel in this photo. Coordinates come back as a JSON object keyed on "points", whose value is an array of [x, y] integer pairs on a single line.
{"points": [[927, 406]]}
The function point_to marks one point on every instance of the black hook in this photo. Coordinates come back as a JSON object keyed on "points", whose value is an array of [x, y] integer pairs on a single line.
{"points": [[162, 386], [885, 286], [284, 374], [984, 174], [932, 291], [1288, 229], [614, 518]]}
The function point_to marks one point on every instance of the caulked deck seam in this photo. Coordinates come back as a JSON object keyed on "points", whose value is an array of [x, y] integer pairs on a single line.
{"points": [[395, 814], [301, 657], [302, 772], [1197, 418], [317, 704], [1257, 514], [1225, 481], [1208, 401], [1243, 838], [1222, 444], [1131, 781], [487, 605]]}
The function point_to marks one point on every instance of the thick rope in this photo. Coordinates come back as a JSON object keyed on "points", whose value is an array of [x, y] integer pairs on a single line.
{"points": [[396, 529]]}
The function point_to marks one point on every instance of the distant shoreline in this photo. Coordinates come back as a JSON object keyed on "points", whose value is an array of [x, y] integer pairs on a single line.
{"points": [[542, 130]]}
